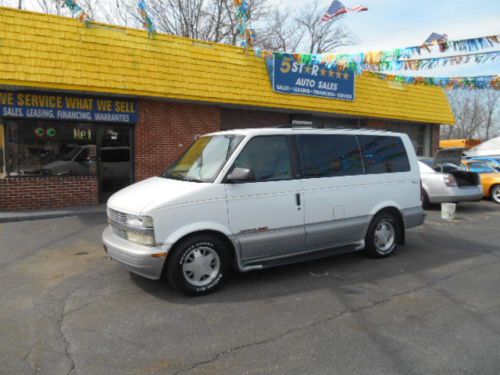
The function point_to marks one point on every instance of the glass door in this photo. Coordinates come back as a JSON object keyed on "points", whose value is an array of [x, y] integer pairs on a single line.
{"points": [[114, 157]]}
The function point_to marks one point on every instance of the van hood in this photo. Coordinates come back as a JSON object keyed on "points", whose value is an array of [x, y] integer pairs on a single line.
{"points": [[153, 193]]}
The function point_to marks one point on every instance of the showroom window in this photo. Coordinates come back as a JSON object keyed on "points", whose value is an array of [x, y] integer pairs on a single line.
{"points": [[36, 148]]}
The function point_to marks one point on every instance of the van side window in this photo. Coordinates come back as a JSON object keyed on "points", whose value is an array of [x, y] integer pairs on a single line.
{"points": [[383, 154], [330, 155], [268, 157]]}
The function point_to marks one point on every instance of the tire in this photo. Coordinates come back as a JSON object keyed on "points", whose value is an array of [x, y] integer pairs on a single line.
{"points": [[425, 201], [382, 235], [198, 265], [495, 193]]}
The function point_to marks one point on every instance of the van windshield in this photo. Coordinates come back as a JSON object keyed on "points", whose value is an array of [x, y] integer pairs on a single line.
{"points": [[205, 158]]}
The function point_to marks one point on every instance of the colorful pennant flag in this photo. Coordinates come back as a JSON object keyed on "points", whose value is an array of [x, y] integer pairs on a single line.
{"points": [[76, 10], [245, 33], [440, 39], [436, 38], [147, 22], [336, 8]]}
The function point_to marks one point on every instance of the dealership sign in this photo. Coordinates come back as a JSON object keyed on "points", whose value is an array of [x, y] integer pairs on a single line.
{"points": [[48, 106], [291, 77]]}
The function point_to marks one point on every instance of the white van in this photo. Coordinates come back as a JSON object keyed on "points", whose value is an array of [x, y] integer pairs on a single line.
{"points": [[257, 198]]}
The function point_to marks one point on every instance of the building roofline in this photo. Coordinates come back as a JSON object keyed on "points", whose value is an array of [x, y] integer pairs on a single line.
{"points": [[61, 53]]}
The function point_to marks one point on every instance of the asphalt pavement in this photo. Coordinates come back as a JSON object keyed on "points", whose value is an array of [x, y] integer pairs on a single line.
{"points": [[432, 308]]}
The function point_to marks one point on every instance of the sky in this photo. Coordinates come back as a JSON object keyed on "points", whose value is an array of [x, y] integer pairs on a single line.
{"points": [[390, 24]]}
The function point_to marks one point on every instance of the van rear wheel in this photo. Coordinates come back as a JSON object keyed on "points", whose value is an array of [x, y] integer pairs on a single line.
{"points": [[198, 265], [382, 236]]}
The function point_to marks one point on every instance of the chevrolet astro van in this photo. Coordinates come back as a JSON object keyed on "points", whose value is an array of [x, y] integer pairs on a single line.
{"points": [[257, 198]]}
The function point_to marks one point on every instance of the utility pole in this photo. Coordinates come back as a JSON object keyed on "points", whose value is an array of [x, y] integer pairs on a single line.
{"points": [[20, 4]]}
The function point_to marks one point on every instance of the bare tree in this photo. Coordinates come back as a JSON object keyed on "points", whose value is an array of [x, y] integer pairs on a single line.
{"points": [[305, 32], [492, 108], [210, 20], [476, 114], [279, 32], [215, 21], [50, 6], [321, 37]]}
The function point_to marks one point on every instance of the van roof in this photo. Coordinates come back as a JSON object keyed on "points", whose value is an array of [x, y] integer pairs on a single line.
{"points": [[304, 130]]}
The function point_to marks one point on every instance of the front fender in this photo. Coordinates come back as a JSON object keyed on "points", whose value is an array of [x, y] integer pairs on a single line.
{"points": [[175, 236]]}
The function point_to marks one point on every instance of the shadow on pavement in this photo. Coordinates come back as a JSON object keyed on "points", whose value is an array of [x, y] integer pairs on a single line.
{"points": [[427, 249]]}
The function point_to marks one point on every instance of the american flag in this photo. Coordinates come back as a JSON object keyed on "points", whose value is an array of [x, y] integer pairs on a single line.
{"points": [[337, 8]]}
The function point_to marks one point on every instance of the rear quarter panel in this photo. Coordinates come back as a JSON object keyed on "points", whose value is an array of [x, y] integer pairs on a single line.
{"points": [[488, 180]]}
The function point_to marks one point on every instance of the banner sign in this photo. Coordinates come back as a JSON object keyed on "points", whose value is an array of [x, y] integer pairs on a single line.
{"points": [[50, 106], [291, 77]]}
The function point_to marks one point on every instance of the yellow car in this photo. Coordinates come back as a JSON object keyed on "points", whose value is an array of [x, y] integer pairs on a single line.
{"points": [[490, 178]]}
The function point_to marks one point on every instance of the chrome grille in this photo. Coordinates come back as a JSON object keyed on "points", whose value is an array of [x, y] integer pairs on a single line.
{"points": [[120, 232], [118, 222], [118, 216]]}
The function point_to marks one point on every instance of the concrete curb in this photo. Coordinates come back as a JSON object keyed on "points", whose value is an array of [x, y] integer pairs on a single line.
{"points": [[6, 217]]}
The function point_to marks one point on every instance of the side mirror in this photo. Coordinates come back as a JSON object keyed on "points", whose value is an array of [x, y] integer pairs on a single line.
{"points": [[240, 175]]}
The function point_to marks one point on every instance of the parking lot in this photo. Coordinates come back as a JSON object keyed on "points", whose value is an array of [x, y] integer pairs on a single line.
{"points": [[432, 308]]}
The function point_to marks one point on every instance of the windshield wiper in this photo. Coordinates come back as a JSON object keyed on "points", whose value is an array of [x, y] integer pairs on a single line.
{"points": [[192, 179]]}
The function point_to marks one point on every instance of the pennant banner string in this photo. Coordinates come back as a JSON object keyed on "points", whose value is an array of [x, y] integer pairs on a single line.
{"points": [[436, 62], [479, 82], [470, 45], [359, 63]]}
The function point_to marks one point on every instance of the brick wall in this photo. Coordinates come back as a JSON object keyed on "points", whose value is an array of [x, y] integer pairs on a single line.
{"points": [[165, 130], [30, 193], [244, 118]]}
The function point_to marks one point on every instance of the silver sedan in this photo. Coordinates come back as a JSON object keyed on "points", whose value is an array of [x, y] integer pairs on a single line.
{"points": [[456, 186]]}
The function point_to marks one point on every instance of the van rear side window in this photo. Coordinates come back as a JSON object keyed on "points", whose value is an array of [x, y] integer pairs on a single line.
{"points": [[383, 154], [330, 155]]}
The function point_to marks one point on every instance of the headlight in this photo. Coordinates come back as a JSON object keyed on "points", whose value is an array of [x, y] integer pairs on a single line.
{"points": [[139, 221], [146, 239]]}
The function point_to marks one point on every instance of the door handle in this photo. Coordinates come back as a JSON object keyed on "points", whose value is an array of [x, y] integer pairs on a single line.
{"points": [[297, 199]]}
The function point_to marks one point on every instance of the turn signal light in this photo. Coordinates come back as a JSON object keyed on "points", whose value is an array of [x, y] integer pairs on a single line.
{"points": [[159, 255]]}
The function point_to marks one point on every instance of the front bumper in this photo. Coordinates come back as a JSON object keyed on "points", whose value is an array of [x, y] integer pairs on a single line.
{"points": [[136, 258]]}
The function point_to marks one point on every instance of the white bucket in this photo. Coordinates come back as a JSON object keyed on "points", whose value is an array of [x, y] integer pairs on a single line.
{"points": [[448, 211]]}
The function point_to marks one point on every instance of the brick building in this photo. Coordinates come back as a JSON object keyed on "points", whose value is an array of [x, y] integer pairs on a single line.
{"points": [[89, 108]]}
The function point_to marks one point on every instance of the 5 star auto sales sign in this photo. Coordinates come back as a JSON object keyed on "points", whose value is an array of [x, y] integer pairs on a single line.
{"points": [[291, 77]]}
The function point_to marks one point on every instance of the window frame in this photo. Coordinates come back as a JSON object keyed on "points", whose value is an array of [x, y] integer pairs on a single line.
{"points": [[294, 159]]}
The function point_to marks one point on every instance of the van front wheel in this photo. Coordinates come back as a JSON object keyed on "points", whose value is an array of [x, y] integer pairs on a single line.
{"points": [[381, 239], [198, 265]]}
